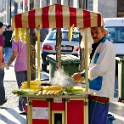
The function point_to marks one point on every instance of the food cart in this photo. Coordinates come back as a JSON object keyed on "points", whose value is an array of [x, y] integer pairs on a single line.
{"points": [[66, 109]]}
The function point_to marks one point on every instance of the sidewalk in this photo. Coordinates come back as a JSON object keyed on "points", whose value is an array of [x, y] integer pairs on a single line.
{"points": [[11, 115], [117, 109]]}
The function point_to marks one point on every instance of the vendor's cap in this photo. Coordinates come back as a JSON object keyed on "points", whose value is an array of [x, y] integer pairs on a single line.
{"points": [[1, 24]]}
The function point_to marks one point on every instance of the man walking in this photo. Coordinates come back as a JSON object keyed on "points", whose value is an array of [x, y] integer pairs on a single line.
{"points": [[2, 90], [8, 43]]}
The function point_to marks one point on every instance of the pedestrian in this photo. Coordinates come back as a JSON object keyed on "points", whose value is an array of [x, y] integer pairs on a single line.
{"points": [[20, 66], [8, 43], [101, 76], [2, 89], [43, 34]]}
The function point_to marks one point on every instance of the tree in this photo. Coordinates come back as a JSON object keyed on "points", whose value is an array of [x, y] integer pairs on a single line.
{"points": [[33, 39]]}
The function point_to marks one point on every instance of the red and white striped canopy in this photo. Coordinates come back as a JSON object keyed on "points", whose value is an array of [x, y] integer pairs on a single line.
{"points": [[57, 16]]}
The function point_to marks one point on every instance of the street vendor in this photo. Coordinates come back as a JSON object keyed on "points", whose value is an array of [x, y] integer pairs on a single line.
{"points": [[101, 76]]}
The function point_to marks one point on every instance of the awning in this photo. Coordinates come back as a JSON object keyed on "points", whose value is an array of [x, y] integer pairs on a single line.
{"points": [[57, 16]]}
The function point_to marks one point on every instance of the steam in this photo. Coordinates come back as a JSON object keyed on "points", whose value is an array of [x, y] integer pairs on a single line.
{"points": [[61, 78]]}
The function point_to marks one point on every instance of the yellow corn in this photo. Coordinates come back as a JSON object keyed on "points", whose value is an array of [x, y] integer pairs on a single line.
{"points": [[70, 32], [16, 33], [31, 86], [35, 82], [23, 34], [53, 88]]}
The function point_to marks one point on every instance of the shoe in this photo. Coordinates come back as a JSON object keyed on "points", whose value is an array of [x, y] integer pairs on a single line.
{"points": [[23, 113], [3, 101]]}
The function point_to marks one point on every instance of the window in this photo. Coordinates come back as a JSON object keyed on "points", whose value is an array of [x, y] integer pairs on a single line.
{"points": [[116, 34], [75, 36], [120, 8]]}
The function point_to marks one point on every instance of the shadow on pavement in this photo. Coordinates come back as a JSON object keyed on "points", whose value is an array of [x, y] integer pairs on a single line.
{"points": [[11, 116]]}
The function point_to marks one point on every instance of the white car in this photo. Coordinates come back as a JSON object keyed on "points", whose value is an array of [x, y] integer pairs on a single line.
{"points": [[67, 47], [115, 28]]}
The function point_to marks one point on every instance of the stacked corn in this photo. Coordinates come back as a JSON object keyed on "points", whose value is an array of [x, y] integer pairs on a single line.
{"points": [[34, 85], [52, 90]]}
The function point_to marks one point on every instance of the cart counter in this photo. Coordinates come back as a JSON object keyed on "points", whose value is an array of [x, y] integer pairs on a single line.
{"points": [[66, 109]]}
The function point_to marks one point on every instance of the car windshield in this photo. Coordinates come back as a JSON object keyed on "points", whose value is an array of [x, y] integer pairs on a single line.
{"points": [[75, 36], [116, 34]]}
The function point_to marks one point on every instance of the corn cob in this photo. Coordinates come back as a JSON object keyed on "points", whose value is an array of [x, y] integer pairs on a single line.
{"points": [[51, 92], [35, 82], [16, 33], [34, 85], [23, 34], [53, 88], [31, 86], [24, 92], [70, 32]]}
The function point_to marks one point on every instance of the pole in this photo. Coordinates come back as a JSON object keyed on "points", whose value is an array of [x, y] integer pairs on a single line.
{"points": [[84, 61], [58, 44], [58, 48], [32, 44], [38, 51], [25, 5], [28, 58], [64, 2], [86, 70], [10, 10], [81, 3], [16, 8], [7, 12], [68, 2], [29, 5]]}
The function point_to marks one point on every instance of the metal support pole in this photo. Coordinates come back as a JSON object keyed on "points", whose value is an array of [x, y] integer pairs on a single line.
{"points": [[38, 52], [53, 2], [29, 115], [29, 5], [10, 10], [28, 59], [64, 2]]}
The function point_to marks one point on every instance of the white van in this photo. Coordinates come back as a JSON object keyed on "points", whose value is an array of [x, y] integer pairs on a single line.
{"points": [[115, 28]]}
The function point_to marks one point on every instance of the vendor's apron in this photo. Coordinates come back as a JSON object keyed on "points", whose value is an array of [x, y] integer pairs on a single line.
{"points": [[98, 109]]}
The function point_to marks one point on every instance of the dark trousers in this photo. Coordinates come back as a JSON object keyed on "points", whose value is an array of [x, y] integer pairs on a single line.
{"points": [[98, 110], [2, 90], [21, 77]]}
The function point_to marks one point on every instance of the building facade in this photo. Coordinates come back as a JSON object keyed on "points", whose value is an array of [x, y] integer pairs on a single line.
{"points": [[106, 8], [112, 8], [8, 8]]}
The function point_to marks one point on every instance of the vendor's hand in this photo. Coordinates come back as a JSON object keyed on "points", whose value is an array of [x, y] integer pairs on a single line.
{"points": [[77, 77]]}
